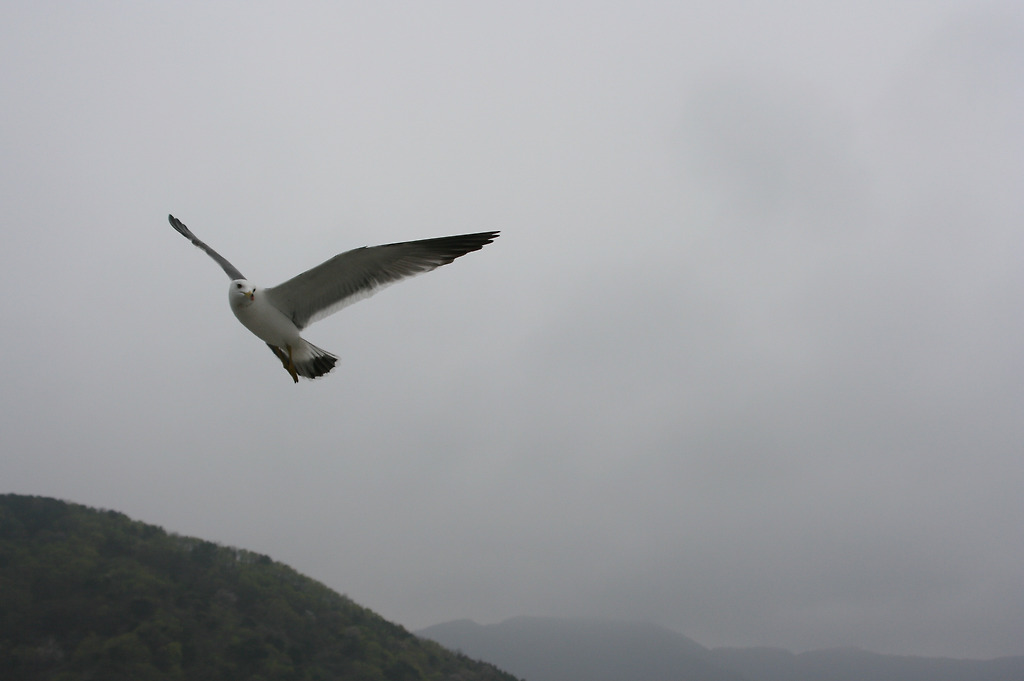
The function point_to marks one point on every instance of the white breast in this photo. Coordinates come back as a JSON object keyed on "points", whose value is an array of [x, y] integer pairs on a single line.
{"points": [[265, 320]]}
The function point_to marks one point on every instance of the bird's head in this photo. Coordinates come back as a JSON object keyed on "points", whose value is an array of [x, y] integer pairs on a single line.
{"points": [[241, 293]]}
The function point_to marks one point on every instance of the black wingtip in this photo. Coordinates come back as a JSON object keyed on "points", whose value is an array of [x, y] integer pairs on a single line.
{"points": [[452, 247], [180, 227]]}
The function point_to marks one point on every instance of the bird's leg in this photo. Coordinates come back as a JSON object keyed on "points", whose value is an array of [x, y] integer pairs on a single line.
{"points": [[286, 360], [280, 355], [290, 366]]}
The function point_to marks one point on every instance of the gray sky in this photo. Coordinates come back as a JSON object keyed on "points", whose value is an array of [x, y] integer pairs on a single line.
{"points": [[746, 361]]}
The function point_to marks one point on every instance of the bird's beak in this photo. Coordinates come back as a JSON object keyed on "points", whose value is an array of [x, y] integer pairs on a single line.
{"points": [[252, 294]]}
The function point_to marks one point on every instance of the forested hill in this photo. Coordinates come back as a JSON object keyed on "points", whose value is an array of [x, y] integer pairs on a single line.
{"points": [[90, 594]]}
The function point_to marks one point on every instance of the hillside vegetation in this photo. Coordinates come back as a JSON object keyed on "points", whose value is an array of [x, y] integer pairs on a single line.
{"points": [[89, 594]]}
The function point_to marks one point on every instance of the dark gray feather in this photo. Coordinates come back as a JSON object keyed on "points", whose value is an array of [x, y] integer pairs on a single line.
{"points": [[355, 274], [231, 270]]}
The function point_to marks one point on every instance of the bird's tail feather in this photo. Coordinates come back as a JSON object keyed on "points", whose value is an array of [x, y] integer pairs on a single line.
{"points": [[309, 360]]}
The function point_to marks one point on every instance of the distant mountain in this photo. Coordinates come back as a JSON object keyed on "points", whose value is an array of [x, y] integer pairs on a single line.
{"points": [[847, 664], [89, 594], [540, 649]]}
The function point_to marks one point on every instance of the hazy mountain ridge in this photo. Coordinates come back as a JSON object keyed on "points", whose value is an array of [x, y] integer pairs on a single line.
{"points": [[92, 594], [545, 649], [768, 664], [542, 649]]}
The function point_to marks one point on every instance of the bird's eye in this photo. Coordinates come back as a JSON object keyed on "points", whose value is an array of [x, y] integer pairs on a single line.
{"points": [[238, 286]]}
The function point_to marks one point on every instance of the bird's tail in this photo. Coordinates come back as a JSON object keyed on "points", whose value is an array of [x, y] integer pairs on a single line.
{"points": [[308, 360], [312, 362]]}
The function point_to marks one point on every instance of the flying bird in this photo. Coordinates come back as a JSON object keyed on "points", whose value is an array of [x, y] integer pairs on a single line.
{"points": [[277, 315]]}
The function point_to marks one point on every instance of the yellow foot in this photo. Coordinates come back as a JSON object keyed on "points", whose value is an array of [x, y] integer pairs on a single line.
{"points": [[290, 366], [286, 360]]}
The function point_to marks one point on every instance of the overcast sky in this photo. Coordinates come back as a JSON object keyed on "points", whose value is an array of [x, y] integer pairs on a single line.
{"points": [[746, 360]]}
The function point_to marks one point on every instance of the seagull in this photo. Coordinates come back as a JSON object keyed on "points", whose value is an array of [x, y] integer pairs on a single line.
{"points": [[277, 315]]}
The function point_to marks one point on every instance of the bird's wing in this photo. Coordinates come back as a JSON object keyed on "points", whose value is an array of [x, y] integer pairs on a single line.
{"points": [[358, 273], [221, 260]]}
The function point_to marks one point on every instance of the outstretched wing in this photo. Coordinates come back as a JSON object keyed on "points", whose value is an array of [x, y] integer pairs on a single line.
{"points": [[356, 274], [221, 260]]}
